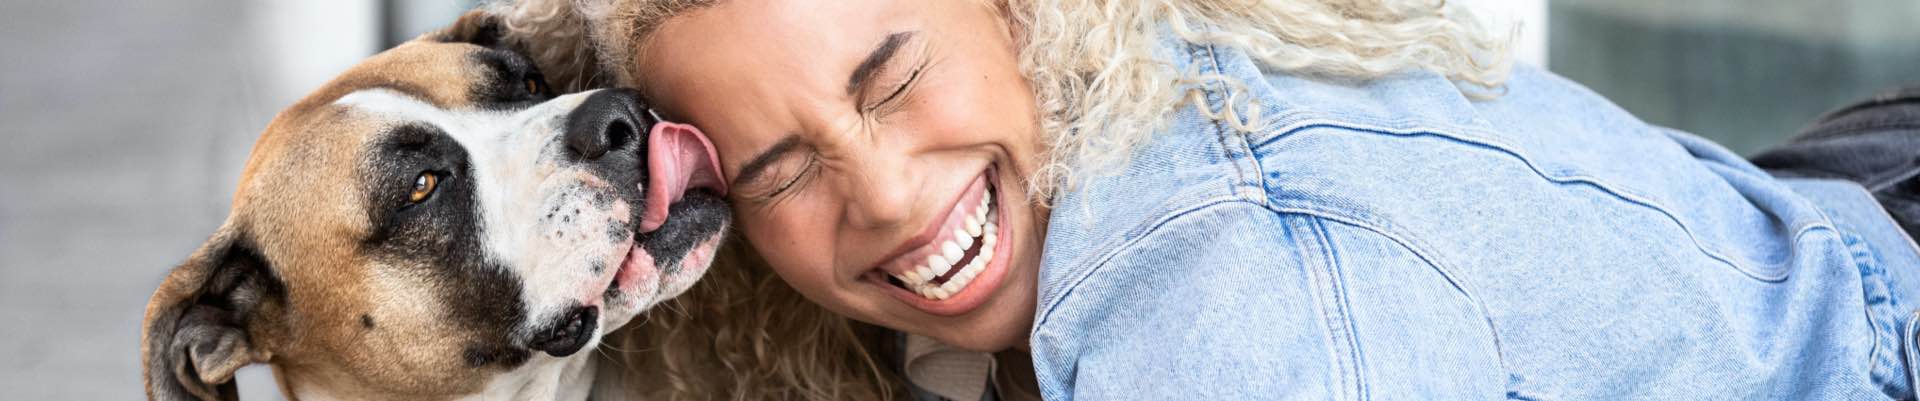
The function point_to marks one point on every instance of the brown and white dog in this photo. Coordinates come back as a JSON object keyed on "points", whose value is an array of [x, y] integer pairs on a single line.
{"points": [[434, 224]]}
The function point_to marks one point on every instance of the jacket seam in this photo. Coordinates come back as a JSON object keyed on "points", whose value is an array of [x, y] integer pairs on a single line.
{"points": [[1337, 310], [1911, 245], [1768, 271], [1247, 172], [1418, 248], [1088, 268], [1121, 245]]}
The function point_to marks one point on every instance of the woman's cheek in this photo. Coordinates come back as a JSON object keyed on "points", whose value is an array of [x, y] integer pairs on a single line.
{"points": [[804, 246]]}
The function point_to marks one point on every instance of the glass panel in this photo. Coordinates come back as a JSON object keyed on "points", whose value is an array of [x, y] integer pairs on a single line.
{"points": [[1746, 73]]}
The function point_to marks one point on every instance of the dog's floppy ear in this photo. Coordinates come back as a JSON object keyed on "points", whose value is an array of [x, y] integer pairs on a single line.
{"points": [[477, 27], [196, 330]]}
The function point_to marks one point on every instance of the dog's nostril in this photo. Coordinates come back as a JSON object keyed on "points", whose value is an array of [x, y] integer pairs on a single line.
{"points": [[619, 132], [589, 145], [606, 121], [569, 333]]}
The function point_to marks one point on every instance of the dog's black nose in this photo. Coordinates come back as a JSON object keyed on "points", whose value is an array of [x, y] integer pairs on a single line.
{"points": [[608, 120], [569, 333]]}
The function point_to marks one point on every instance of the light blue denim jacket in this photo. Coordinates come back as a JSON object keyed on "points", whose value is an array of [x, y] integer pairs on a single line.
{"points": [[1396, 240]]}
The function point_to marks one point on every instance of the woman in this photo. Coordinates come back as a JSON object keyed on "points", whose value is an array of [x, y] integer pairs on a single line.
{"points": [[1233, 200]]}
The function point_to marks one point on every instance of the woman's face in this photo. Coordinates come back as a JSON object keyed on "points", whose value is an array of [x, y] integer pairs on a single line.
{"points": [[876, 151]]}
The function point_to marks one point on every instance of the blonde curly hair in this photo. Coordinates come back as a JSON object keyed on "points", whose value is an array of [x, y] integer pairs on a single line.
{"points": [[1101, 91]]}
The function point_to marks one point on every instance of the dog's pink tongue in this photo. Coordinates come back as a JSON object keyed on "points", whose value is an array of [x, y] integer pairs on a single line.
{"points": [[679, 158]]}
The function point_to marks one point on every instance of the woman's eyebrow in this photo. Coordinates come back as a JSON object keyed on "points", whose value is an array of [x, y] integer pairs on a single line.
{"points": [[758, 165], [875, 59]]}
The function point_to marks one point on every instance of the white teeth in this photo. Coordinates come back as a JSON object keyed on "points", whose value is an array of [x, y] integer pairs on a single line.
{"points": [[938, 262], [912, 277], [972, 270], [961, 239], [976, 227], [953, 286], [951, 251]]}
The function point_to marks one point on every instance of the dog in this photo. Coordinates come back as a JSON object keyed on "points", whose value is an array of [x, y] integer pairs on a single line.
{"points": [[435, 224]]}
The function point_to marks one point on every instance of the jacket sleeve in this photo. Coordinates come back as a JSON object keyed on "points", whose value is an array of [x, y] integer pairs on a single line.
{"points": [[1236, 301]]}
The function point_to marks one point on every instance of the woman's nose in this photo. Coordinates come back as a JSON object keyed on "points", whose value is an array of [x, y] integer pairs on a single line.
{"points": [[882, 195]]}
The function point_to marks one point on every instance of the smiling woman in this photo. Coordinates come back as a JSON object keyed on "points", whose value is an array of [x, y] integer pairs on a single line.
{"points": [[1222, 200]]}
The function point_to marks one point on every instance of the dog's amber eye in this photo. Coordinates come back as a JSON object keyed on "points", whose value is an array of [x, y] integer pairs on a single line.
{"points": [[423, 186], [533, 86]]}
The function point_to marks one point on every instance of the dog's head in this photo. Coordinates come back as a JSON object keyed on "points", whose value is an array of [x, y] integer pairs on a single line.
{"points": [[431, 221]]}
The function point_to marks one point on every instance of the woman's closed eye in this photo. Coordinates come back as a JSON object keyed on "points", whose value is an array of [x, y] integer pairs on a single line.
{"points": [[888, 75], [790, 181], [897, 91]]}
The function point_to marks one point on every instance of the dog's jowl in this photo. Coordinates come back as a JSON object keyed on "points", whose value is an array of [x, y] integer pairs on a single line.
{"points": [[435, 224]]}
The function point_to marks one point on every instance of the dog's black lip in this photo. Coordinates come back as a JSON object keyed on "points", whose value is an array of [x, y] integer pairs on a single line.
{"points": [[570, 334]]}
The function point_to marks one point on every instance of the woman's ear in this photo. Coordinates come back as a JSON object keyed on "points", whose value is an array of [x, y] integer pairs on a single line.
{"points": [[196, 331]]}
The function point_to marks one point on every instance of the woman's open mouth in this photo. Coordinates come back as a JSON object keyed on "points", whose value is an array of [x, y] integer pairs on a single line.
{"points": [[955, 267], [962, 256]]}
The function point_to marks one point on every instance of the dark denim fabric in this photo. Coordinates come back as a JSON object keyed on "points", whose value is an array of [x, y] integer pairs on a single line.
{"points": [[1875, 142]]}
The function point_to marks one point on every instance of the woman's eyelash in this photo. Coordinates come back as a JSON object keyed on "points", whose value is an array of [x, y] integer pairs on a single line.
{"points": [[902, 88], [795, 181]]}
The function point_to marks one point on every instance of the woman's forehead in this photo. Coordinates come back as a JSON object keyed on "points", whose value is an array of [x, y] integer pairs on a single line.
{"points": [[778, 35], [766, 59]]}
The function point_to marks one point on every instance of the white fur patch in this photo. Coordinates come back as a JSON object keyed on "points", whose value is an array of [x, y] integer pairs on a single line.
{"points": [[539, 215]]}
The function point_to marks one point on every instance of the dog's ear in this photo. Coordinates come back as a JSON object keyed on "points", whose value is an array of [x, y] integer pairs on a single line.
{"points": [[196, 331], [478, 27]]}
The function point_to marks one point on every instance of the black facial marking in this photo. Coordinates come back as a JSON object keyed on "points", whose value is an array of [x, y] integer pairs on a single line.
{"points": [[439, 238], [481, 356], [505, 86], [366, 321]]}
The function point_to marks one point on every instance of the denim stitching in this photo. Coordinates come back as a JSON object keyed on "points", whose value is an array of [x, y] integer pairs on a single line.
{"points": [[1911, 245], [1090, 266], [1224, 134], [1328, 304], [1121, 244], [1907, 340], [1779, 273], [1413, 245], [1342, 305]]}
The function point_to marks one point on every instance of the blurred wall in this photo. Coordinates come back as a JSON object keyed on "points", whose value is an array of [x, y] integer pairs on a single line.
{"points": [[125, 124], [1745, 73]]}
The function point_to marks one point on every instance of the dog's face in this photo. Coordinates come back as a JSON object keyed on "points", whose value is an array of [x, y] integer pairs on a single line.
{"points": [[431, 222]]}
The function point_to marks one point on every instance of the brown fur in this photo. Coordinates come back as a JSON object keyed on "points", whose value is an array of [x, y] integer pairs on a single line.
{"points": [[298, 204]]}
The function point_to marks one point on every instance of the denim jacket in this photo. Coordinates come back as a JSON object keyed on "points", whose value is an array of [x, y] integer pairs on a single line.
{"points": [[1394, 239]]}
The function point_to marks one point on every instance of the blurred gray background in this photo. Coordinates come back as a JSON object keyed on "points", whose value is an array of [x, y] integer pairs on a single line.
{"points": [[1747, 73], [123, 126]]}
